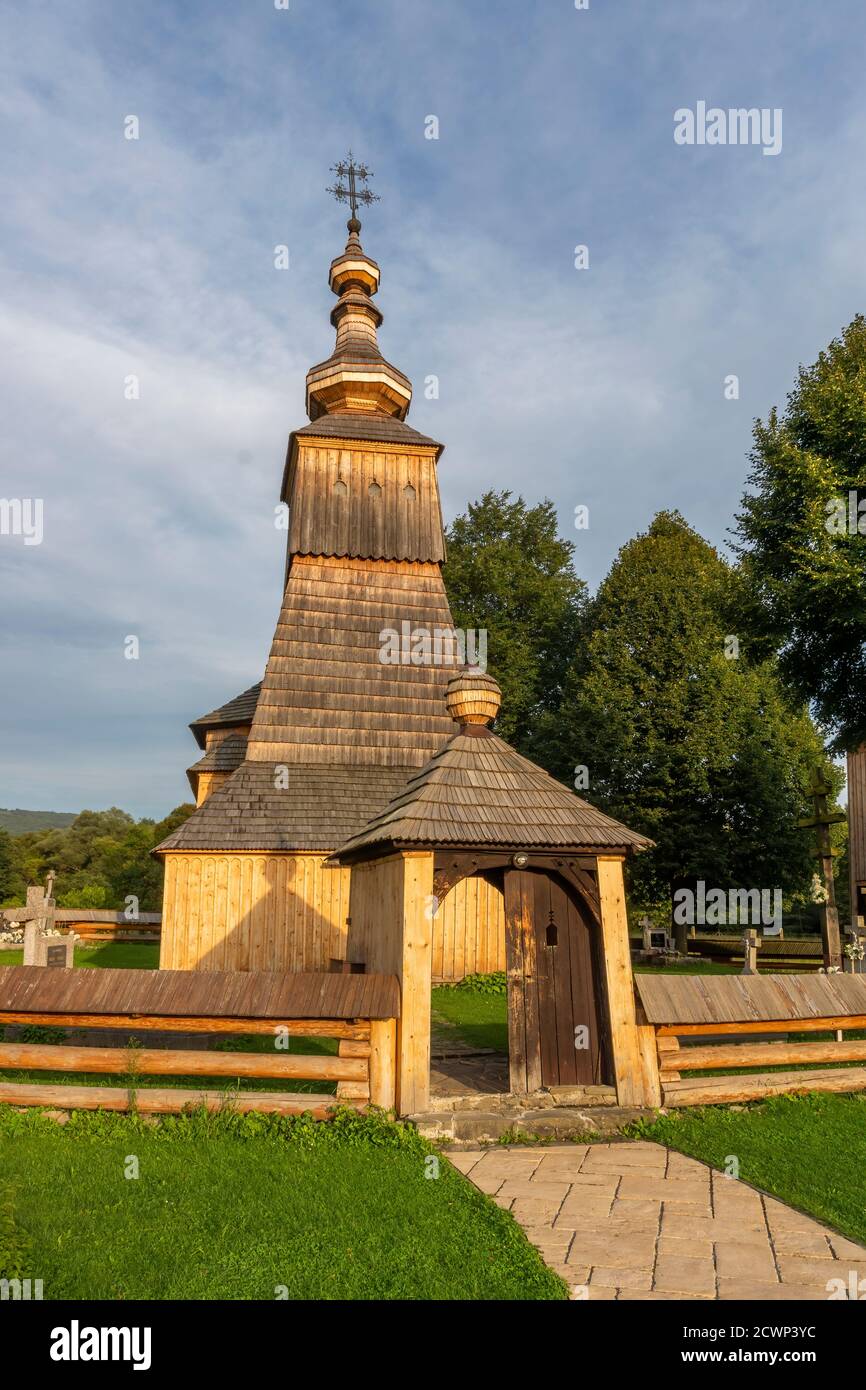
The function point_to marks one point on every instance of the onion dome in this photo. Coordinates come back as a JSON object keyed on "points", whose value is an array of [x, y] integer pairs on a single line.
{"points": [[473, 697]]}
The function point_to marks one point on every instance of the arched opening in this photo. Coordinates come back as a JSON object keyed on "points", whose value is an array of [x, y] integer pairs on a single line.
{"points": [[548, 1027]]}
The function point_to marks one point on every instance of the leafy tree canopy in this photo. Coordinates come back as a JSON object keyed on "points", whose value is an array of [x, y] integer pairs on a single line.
{"points": [[803, 536], [702, 751], [510, 573], [102, 858]]}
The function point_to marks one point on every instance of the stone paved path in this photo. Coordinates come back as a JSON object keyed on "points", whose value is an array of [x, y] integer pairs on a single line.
{"points": [[475, 1074], [639, 1221]]}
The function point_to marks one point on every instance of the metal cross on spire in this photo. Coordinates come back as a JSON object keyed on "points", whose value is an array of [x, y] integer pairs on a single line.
{"points": [[351, 185]]}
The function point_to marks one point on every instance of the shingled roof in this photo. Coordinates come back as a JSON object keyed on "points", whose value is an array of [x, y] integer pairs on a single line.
{"points": [[240, 710], [358, 424], [320, 807], [477, 791], [225, 756]]}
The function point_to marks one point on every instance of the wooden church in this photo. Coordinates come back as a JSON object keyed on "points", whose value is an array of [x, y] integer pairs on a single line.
{"points": [[356, 811]]}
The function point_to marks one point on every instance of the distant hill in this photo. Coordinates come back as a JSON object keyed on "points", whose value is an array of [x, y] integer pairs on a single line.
{"points": [[19, 822]]}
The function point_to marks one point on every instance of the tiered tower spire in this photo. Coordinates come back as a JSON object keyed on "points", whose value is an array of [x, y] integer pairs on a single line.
{"points": [[356, 377]]}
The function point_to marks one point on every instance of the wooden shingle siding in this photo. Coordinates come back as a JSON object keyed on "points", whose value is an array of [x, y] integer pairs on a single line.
{"points": [[253, 912], [235, 716], [334, 512], [319, 806], [478, 791], [326, 696]]}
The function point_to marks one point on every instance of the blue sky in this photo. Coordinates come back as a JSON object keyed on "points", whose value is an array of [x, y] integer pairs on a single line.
{"points": [[154, 257]]}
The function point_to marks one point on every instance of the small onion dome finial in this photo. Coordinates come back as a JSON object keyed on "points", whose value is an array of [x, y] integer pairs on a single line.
{"points": [[353, 225], [473, 697]]}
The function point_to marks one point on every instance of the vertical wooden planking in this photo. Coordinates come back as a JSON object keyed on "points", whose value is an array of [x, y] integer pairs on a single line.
{"points": [[540, 900], [413, 1077], [206, 919], [383, 1062], [169, 911], [221, 922], [633, 1069], [194, 910], [515, 969]]}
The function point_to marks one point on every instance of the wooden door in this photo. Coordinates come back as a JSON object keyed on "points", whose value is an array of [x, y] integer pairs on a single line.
{"points": [[550, 953]]}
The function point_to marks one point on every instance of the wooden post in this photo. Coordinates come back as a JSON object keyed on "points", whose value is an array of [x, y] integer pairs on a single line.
{"points": [[413, 1029], [635, 1060], [383, 1062], [821, 819], [750, 953]]}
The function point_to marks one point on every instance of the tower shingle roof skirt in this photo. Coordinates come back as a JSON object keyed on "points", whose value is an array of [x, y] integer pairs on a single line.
{"points": [[240, 710], [225, 756], [362, 424], [480, 792]]}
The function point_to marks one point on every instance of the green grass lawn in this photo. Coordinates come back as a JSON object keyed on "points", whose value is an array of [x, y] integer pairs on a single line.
{"points": [[477, 1019], [695, 965], [807, 1150], [481, 1019], [119, 955], [236, 1207]]}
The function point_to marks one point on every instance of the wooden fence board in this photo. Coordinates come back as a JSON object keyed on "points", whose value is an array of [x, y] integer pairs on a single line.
{"points": [[729, 1000]]}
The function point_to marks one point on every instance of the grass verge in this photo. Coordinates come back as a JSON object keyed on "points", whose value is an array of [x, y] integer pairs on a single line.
{"points": [[230, 1206]]}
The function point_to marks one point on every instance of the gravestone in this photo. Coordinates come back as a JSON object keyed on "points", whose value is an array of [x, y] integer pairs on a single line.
{"points": [[38, 919]]}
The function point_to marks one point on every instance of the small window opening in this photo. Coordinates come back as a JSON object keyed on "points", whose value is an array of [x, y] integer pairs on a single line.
{"points": [[409, 493], [340, 488], [374, 489], [552, 933]]}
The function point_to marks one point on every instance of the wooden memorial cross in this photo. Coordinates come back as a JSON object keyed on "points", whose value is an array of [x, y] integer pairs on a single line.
{"points": [[821, 819], [38, 919]]}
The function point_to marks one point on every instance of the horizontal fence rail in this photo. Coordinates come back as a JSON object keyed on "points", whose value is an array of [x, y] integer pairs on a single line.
{"points": [[680, 1090], [364, 1068]]}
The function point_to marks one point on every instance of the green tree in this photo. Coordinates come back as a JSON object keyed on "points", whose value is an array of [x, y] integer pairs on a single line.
{"points": [[129, 866], [806, 570], [508, 572], [100, 860], [699, 749], [9, 876]]}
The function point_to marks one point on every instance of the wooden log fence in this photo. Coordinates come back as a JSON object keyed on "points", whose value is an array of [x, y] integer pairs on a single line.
{"points": [[364, 1068], [721, 1012]]}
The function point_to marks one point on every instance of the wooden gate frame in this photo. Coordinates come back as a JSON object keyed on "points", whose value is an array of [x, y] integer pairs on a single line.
{"points": [[392, 903]]}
